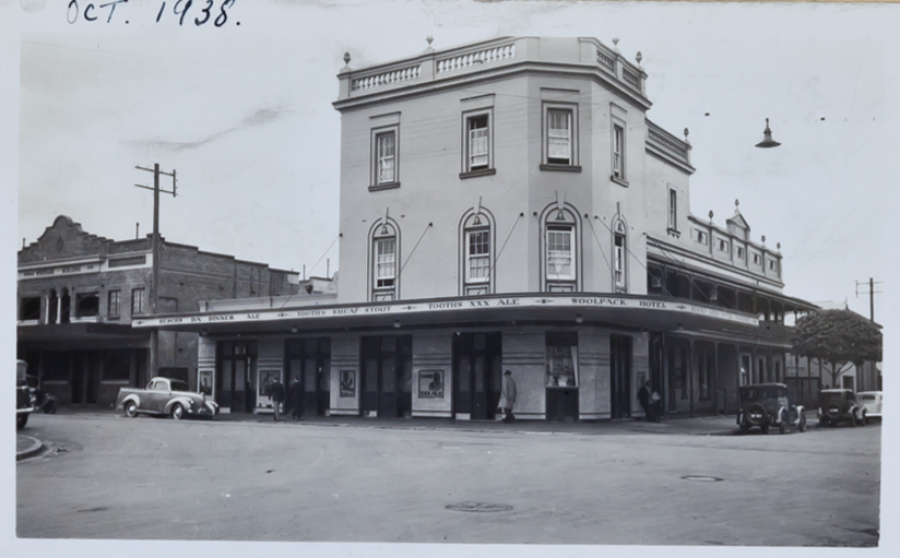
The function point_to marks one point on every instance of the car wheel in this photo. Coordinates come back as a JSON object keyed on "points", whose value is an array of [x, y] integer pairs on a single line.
{"points": [[744, 427], [864, 420], [853, 419], [801, 426], [21, 421], [177, 411], [131, 409]]}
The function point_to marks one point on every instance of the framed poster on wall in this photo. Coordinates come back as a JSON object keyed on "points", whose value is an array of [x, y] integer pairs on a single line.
{"points": [[205, 382], [431, 383], [348, 383]]}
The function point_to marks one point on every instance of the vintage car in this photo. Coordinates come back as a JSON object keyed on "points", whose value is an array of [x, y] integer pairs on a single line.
{"points": [[871, 401], [840, 405], [165, 397], [767, 405], [26, 400]]}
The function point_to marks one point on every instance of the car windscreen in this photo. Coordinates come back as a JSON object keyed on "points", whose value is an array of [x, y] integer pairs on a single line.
{"points": [[180, 386], [867, 397]]}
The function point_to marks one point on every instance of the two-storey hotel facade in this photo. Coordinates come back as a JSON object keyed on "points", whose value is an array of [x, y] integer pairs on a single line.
{"points": [[507, 205]]}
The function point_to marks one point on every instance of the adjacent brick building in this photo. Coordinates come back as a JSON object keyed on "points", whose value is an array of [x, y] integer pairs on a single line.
{"points": [[77, 295]]}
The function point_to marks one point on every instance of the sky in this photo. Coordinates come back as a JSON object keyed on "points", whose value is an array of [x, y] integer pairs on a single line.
{"points": [[243, 113]]}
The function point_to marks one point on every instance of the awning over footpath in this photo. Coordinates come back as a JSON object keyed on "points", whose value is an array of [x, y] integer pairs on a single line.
{"points": [[84, 335], [626, 311]]}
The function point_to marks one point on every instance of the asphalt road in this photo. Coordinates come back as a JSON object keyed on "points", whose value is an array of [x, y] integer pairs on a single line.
{"points": [[116, 478]]}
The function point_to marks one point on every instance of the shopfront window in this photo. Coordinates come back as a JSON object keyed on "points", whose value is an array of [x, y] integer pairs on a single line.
{"points": [[562, 360]]}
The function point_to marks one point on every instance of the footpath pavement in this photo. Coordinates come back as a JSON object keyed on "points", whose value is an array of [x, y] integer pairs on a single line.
{"points": [[717, 425]]}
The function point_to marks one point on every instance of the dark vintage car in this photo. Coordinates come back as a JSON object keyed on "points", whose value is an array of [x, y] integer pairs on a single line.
{"points": [[26, 399], [840, 405], [766, 405], [165, 397]]}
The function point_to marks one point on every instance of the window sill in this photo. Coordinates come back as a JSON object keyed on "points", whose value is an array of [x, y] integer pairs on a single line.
{"points": [[385, 186], [619, 181], [476, 173], [562, 168], [674, 232]]}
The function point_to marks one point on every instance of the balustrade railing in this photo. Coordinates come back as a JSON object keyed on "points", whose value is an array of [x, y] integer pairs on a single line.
{"points": [[631, 78], [389, 77], [606, 61], [469, 59]]}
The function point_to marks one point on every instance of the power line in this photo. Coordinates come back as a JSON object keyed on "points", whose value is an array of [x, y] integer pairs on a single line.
{"points": [[154, 283], [871, 292]]}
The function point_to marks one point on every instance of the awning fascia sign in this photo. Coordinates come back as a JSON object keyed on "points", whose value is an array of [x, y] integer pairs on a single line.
{"points": [[448, 307]]}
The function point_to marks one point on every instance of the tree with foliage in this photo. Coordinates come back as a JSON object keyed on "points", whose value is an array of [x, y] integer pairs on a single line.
{"points": [[838, 337]]}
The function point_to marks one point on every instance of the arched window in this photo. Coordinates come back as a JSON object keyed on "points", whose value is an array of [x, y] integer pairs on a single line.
{"points": [[620, 256], [385, 261], [477, 253], [561, 247]]}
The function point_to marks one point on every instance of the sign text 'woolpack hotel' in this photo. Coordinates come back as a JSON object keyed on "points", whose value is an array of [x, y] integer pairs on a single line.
{"points": [[508, 205]]}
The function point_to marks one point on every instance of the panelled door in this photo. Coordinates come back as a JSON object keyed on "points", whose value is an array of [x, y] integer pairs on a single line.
{"points": [[476, 374], [309, 361], [236, 370], [386, 375], [620, 375]]}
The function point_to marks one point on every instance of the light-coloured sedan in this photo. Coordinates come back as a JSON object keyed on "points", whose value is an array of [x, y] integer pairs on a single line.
{"points": [[871, 400]]}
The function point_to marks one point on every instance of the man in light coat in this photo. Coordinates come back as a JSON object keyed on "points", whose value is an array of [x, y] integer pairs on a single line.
{"points": [[507, 396]]}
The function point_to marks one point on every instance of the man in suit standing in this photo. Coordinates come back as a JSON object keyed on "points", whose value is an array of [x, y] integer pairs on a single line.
{"points": [[508, 396], [295, 399]]}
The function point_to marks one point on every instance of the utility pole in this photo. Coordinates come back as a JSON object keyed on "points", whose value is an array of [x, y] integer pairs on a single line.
{"points": [[871, 294], [154, 282]]}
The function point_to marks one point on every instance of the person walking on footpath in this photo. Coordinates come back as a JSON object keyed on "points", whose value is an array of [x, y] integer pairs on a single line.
{"points": [[295, 399], [507, 397], [276, 392], [644, 400]]}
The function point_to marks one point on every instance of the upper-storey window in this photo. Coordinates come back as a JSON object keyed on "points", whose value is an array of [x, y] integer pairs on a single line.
{"points": [[618, 152], [773, 265], [477, 253], [385, 261], [386, 143], [560, 137], [561, 250], [478, 156], [87, 305], [137, 301], [560, 253], [740, 253], [723, 245], [112, 304], [673, 209], [620, 252], [385, 158]]}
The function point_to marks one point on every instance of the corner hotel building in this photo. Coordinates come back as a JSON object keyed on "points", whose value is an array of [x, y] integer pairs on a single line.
{"points": [[508, 205]]}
